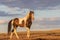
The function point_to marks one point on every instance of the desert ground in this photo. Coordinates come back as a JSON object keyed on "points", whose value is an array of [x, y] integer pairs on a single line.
{"points": [[35, 35]]}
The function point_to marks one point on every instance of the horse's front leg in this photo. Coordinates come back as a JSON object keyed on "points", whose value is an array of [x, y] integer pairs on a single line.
{"points": [[16, 32], [28, 32]]}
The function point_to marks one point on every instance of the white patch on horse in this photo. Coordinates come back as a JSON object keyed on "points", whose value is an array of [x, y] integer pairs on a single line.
{"points": [[12, 22], [21, 19]]}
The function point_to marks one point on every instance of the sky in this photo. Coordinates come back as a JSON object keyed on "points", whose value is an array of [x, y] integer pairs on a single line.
{"points": [[46, 13]]}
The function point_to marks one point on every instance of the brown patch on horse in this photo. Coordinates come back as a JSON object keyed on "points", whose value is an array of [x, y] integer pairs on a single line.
{"points": [[16, 22], [29, 20]]}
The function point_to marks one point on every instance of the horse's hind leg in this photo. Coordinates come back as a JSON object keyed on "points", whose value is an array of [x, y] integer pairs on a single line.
{"points": [[11, 34], [16, 32]]}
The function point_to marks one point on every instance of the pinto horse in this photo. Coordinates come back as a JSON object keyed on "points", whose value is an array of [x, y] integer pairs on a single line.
{"points": [[21, 22]]}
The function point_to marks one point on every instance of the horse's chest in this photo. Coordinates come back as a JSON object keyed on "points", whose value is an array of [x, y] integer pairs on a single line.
{"points": [[28, 23]]}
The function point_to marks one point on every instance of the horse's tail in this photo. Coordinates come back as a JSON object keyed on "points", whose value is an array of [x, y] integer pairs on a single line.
{"points": [[9, 26]]}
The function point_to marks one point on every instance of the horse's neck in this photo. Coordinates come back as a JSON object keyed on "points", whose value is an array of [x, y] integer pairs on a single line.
{"points": [[27, 15], [24, 18]]}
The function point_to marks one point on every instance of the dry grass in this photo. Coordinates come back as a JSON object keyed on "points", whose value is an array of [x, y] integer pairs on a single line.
{"points": [[35, 35]]}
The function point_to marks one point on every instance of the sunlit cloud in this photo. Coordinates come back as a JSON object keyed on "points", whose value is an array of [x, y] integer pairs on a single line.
{"points": [[3, 21], [54, 19]]}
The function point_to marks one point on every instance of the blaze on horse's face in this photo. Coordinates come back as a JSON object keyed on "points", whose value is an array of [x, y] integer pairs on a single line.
{"points": [[32, 14]]}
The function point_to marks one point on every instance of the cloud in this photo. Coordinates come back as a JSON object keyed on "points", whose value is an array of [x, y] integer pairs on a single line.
{"points": [[54, 7], [47, 21], [54, 19], [7, 0], [32, 4], [11, 11], [10, 0], [2, 14]]}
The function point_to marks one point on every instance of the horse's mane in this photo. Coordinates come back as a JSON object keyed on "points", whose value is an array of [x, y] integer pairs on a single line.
{"points": [[29, 13]]}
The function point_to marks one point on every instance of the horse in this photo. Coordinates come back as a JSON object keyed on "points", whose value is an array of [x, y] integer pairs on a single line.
{"points": [[21, 22]]}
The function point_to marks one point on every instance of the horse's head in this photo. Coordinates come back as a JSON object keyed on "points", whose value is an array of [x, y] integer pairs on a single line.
{"points": [[31, 14]]}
